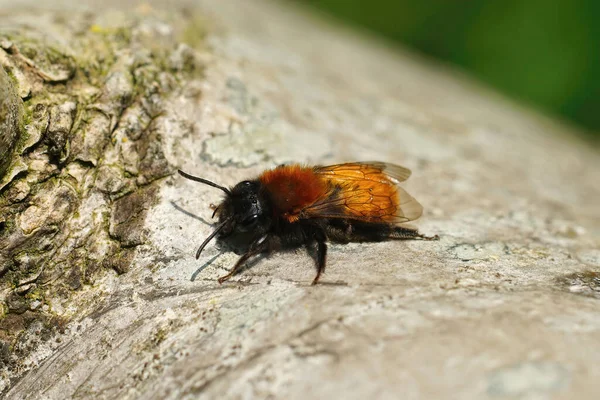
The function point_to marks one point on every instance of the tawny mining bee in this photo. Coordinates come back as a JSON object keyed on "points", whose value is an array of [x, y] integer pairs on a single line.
{"points": [[293, 205]]}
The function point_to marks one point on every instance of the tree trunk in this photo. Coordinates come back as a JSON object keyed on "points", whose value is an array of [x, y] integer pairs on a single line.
{"points": [[101, 105]]}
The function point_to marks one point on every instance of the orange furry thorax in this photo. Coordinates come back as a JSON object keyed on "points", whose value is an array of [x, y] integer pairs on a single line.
{"points": [[292, 188]]}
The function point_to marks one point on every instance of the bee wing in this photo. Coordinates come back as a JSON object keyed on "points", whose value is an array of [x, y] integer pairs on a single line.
{"points": [[366, 191], [369, 170]]}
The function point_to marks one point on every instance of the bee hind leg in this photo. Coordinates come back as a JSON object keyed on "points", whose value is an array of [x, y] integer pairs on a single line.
{"points": [[400, 232]]}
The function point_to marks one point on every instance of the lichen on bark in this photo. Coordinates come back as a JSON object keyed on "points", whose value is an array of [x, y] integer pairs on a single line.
{"points": [[79, 180], [10, 121]]}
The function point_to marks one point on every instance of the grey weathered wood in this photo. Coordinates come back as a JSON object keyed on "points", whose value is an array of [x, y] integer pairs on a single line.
{"points": [[505, 305]]}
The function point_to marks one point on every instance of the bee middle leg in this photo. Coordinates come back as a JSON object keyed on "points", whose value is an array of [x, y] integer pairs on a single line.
{"points": [[321, 256]]}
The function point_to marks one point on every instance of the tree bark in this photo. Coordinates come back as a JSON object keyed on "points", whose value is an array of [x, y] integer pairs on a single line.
{"points": [[98, 299], [10, 118]]}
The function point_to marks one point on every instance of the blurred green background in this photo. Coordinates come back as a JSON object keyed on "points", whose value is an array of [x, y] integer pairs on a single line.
{"points": [[543, 52]]}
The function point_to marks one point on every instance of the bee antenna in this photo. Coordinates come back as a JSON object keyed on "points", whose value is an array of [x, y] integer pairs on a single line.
{"points": [[205, 181], [212, 235]]}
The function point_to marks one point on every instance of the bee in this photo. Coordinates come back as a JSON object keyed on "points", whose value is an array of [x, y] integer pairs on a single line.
{"points": [[293, 206]]}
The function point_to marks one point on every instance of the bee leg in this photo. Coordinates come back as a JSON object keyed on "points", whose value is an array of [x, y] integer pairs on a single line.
{"points": [[408, 233], [425, 237], [321, 255], [259, 246], [236, 267]]}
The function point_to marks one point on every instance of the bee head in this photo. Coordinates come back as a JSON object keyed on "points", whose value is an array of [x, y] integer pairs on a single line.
{"points": [[243, 214]]}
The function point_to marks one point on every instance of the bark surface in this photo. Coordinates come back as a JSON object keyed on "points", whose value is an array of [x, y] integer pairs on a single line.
{"points": [[100, 294]]}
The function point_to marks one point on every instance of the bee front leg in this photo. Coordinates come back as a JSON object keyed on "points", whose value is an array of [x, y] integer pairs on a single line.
{"points": [[259, 246]]}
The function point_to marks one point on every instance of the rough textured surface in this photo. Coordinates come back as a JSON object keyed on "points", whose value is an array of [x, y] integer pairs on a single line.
{"points": [[505, 305], [10, 121], [79, 183]]}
